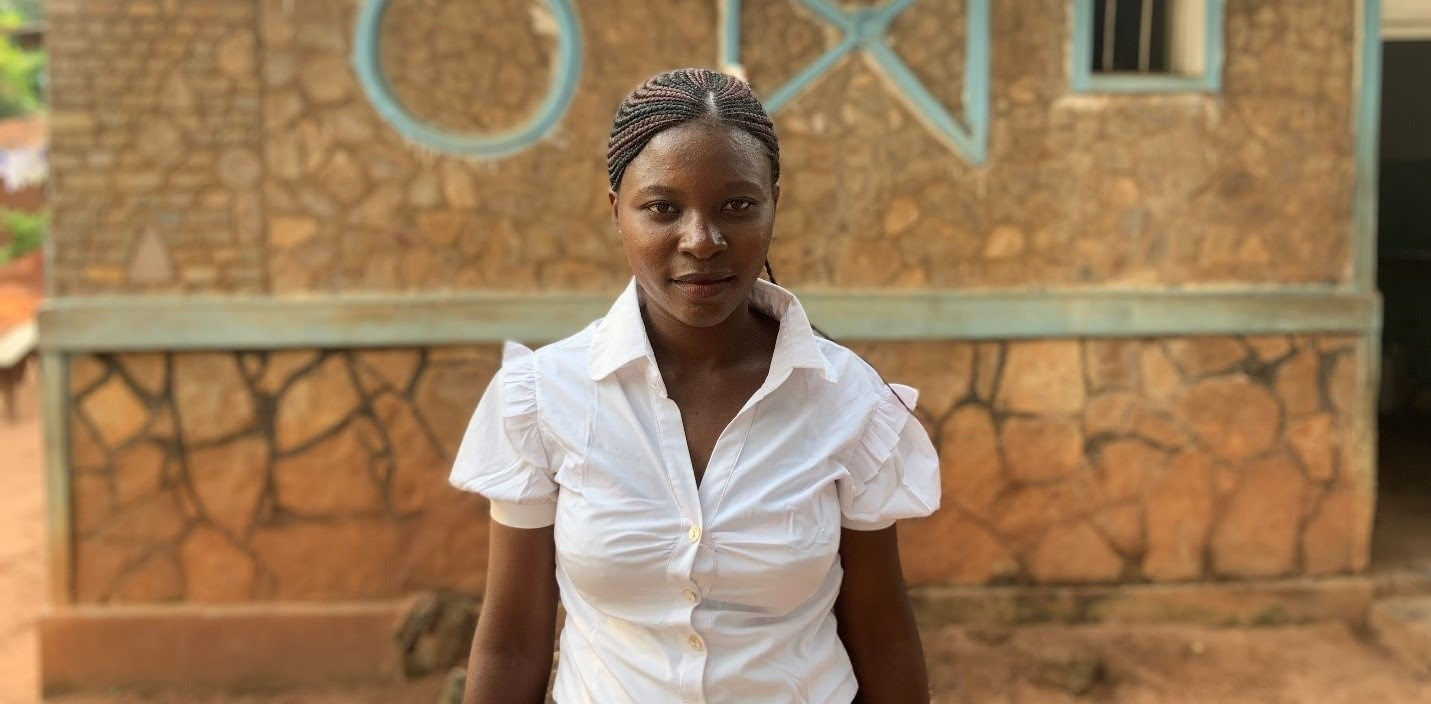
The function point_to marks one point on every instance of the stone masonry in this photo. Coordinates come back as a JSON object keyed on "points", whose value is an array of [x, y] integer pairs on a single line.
{"points": [[156, 146], [239, 149], [281, 475], [322, 475], [225, 147]]}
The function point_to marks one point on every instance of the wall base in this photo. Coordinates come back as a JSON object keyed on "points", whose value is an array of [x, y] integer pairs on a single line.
{"points": [[240, 647], [1258, 603], [278, 645]]}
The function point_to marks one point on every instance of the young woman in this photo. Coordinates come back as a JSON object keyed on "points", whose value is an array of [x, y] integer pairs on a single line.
{"points": [[709, 487]]}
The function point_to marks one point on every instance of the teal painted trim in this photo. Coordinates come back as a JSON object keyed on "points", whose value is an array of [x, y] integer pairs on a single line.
{"points": [[925, 104], [1366, 134], [807, 76], [1084, 79], [978, 72], [55, 404], [1081, 54], [1367, 410], [866, 29], [566, 71], [1367, 131], [1146, 83], [181, 323], [834, 15], [1215, 56], [872, 24], [730, 36], [954, 315]]}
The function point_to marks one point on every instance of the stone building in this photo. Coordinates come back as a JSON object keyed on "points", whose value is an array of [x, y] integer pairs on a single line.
{"points": [[1127, 258]]}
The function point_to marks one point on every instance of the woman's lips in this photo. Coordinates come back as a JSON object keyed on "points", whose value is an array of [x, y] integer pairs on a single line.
{"points": [[703, 286]]}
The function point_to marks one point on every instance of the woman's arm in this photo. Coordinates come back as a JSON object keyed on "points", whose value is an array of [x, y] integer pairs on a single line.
{"points": [[876, 622], [512, 652]]}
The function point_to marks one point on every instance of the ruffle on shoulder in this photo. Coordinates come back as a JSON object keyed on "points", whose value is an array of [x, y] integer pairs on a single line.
{"points": [[503, 454], [892, 469]]}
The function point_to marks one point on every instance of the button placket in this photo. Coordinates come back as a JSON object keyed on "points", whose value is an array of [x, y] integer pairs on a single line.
{"points": [[693, 659], [684, 623], [671, 438]]}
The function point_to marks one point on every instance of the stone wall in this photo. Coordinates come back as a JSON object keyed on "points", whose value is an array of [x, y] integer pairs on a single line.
{"points": [[156, 146], [166, 147], [282, 475], [322, 475], [225, 146], [1140, 460]]}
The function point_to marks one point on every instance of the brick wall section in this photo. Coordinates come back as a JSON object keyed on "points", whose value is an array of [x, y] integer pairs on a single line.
{"points": [[156, 133]]}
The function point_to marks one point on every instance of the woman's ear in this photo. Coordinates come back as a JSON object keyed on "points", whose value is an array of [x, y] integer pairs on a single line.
{"points": [[775, 193], [611, 196]]}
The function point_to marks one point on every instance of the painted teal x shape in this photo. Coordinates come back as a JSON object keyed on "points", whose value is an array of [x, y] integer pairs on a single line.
{"points": [[866, 29]]}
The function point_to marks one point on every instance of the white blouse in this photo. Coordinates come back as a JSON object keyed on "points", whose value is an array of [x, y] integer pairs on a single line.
{"points": [[675, 592]]}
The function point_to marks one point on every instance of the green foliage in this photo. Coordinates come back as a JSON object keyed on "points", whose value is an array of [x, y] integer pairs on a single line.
{"points": [[28, 11], [21, 72], [27, 232]]}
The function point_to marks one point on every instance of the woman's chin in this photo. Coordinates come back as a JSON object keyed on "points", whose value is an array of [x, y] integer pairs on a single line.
{"points": [[704, 316], [703, 312]]}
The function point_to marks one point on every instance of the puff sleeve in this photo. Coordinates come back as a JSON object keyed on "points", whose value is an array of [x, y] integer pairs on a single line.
{"points": [[503, 456], [891, 470]]}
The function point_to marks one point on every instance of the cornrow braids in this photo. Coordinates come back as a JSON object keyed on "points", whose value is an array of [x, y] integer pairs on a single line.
{"points": [[676, 97]]}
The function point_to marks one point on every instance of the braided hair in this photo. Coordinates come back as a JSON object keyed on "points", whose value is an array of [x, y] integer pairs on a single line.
{"points": [[676, 97]]}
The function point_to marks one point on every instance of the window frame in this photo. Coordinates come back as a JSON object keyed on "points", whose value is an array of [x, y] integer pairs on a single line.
{"points": [[1086, 80]]}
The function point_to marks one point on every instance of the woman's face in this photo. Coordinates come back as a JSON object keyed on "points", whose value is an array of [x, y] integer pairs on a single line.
{"points": [[695, 210]]}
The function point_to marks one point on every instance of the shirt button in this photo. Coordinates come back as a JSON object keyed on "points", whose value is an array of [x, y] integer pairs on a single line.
{"points": [[694, 534], [694, 642], [690, 596]]}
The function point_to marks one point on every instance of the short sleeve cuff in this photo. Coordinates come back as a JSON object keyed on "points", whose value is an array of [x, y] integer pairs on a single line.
{"points": [[852, 524], [524, 515]]}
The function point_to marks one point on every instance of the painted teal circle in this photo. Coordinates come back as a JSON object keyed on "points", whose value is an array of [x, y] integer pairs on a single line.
{"points": [[565, 72]]}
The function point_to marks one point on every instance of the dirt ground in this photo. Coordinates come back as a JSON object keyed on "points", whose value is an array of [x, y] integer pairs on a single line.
{"points": [[1321, 664], [22, 557]]}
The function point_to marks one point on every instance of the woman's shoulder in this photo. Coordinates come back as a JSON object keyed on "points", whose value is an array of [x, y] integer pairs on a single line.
{"points": [[852, 373], [565, 359]]}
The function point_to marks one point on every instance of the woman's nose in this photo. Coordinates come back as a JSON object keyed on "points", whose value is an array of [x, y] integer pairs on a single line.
{"points": [[701, 239]]}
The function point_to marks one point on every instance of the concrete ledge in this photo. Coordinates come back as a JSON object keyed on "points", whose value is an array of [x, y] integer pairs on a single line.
{"points": [[136, 323], [1262, 603], [239, 647]]}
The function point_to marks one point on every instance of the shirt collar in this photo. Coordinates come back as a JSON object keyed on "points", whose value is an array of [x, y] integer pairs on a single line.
{"points": [[620, 338]]}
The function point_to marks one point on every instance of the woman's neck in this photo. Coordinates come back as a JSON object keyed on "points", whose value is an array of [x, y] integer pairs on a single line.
{"points": [[725, 345]]}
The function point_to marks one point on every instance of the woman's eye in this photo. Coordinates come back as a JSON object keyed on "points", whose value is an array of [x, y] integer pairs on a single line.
{"points": [[739, 204], [662, 208]]}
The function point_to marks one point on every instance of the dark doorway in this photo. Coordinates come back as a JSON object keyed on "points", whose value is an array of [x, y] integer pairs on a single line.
{"points": [[1402, 536]]}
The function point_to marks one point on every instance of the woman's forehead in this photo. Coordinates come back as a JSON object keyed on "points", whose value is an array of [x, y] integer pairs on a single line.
{"points": [[703, 146]]}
